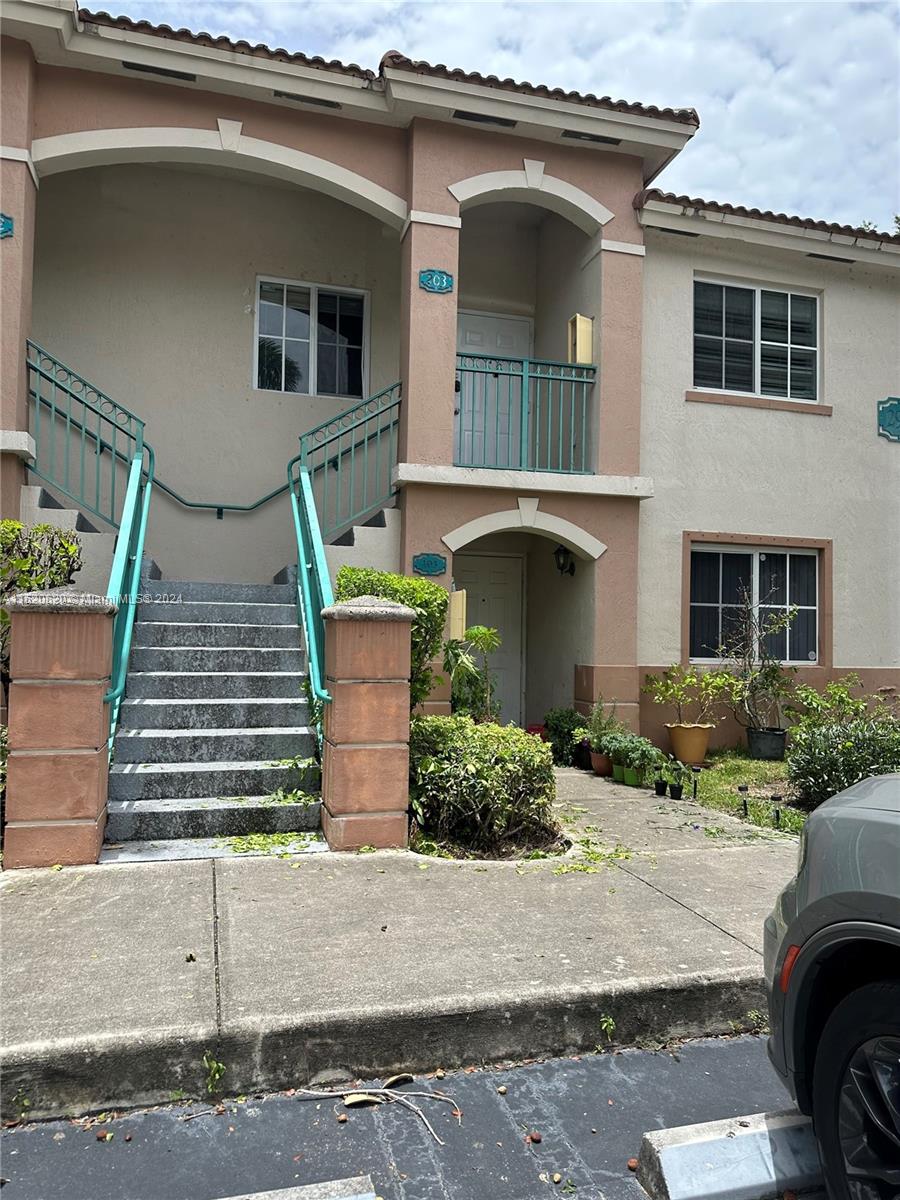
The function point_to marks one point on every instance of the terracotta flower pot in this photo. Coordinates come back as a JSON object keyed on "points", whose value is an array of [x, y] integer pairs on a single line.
{"points": [[618, 772], [601, 763], [690, 742]]}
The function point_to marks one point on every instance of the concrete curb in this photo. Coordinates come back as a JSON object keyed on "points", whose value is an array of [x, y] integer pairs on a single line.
{"points": [[65, 1077]]}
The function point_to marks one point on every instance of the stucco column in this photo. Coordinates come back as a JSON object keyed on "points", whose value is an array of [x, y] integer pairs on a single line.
{"points": [[61, 657], [427, 345], [365, 760], [618, 451], [18, 194]]}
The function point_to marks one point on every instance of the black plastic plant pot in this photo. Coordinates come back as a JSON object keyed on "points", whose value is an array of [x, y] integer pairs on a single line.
{"points": [[767, 744], [675, 790], [660, 786]]}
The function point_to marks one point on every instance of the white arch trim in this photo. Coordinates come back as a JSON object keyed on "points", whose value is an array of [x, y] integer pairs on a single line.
{"points": [[527, 517], [224, 146], [531, 185]]}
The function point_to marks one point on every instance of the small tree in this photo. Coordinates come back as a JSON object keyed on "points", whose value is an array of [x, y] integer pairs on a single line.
{"points": [[471, 685], [755, 683], [680, 687]]}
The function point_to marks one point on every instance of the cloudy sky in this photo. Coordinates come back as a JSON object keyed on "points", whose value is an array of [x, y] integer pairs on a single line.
{"points": [[799, 102]]}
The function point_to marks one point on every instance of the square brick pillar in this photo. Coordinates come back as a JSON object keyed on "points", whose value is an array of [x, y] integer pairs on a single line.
{"points": [[365, 760], [58, 768]]}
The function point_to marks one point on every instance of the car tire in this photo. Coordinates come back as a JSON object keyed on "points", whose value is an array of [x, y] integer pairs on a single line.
{"points": [[856, 1095]]}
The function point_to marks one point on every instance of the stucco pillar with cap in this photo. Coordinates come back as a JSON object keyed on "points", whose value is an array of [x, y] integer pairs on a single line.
{"points": [[365, 759]]}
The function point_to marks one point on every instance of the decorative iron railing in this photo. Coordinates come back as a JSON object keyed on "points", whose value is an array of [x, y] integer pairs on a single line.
{"points": [[313, 583], [350, 460], [523, 414], [85, 442]]}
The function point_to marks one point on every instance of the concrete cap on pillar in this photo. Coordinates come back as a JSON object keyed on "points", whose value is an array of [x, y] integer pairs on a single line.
{"points": [[60, 600], [368, 608]]}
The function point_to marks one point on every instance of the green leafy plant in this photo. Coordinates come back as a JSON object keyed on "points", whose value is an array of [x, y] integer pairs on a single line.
{"points": [[675, 772], [488, 789], [471, 682], [607, 1026], [32, 559], [644, 757], [428, 600], [564, 728], [823, 759], [619, 745], [684, 687], [602, 723], [835, 704], [214, 1072]]}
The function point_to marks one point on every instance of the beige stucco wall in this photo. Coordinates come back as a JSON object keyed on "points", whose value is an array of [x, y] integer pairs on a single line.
{"points": [[756, 471], [498, 259], [145, 283], [566, 285]]}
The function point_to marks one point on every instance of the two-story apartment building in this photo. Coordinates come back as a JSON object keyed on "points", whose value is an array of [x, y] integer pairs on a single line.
{"points": [[599, 408]]}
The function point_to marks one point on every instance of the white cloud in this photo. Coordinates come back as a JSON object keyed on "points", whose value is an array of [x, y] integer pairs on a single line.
{"points": [[799, 102]]}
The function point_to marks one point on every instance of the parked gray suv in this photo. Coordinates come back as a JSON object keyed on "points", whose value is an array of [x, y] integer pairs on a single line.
{"points": [[832, 962]]}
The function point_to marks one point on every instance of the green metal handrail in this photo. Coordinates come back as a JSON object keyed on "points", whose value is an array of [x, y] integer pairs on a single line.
{"points": [[72, 423], [313, 582], [350, 461], [125, 578], [523, 414]]}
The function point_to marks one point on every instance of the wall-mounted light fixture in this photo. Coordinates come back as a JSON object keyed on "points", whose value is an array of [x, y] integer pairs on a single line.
{"points": [[565, 564]]}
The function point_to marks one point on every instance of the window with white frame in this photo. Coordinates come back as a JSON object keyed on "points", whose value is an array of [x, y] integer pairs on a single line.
{"points": [[310, 339], [757, 340], [776, 580]]}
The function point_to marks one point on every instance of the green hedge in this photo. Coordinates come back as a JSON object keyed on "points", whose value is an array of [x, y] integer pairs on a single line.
{"points": [[826, 758], [430, 602], [488, 789], [560, 725]]}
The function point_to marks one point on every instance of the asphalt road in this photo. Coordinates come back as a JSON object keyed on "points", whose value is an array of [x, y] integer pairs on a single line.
{"points": [[590, 1113]]}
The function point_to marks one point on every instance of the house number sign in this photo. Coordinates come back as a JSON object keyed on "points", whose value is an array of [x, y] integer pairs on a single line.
{"points": [[434, 280], [889, 418], [429, 564], [6, 226]]}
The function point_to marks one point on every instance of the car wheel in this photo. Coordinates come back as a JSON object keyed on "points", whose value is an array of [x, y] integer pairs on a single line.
{"points": [[856, 1095]]}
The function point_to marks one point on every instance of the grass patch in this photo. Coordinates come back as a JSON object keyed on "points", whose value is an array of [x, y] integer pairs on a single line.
{"points": [[717, 789]]}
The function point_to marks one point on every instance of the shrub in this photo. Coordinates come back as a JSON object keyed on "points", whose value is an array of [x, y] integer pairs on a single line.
{"points": [[602, 724], [824, 758], [32, 559], [681, 687], [564, 727], [834, 705], [486, 788], [429, 600]]}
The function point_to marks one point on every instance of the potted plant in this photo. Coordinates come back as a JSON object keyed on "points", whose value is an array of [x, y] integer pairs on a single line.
{"points": [[755, 684], [616, 746], [644, 759], [602, 725], [681, 688], [678, 777]]}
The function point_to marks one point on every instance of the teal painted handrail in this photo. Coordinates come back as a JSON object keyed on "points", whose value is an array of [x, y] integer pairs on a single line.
{"points": [[125, 578], [523, 414], [350, 461], [313, 583], [72, 424]]}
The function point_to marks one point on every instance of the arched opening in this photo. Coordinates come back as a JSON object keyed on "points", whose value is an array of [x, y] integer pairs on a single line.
{"points": [[508, 566], [525, 395]]}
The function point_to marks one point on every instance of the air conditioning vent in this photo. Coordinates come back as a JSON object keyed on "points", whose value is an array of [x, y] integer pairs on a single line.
{"points": [[577, 136], [483, 119], [164, 71], [316, 100]]}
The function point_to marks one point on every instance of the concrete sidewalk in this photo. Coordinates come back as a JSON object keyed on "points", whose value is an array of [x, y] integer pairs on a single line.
{"points": [[117, 979]]}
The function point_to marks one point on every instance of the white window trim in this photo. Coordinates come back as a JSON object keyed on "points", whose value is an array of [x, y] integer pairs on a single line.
{"points": [[314, 289], [754, 552], [757, 289]]}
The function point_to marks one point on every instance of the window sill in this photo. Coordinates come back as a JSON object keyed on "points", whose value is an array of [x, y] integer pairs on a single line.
{"points": [[739, 400]]}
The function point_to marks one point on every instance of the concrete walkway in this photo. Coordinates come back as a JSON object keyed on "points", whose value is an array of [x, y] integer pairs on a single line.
{"points": [[119, 978]]}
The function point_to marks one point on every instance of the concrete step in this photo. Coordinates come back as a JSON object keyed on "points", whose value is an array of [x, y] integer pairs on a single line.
{"points": [[211, 612], [242, 593], [216, 658], [192, 848], [98, 542], [190, 633], [244, 712], [207, 817], [190, 780], [211, 745], [208, 685]]}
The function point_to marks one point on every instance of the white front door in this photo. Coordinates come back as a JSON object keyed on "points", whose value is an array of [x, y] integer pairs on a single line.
{"points": [[487, 413], [493, 586]]}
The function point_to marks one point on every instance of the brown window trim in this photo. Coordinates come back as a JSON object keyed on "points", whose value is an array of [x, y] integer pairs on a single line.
{"points": [[691, 537], [809, 407]]}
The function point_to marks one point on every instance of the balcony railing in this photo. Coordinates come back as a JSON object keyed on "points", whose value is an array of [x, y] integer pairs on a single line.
{"points": [[523, 414]]}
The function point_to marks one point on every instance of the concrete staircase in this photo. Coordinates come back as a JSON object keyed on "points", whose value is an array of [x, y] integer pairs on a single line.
{"points": [[214, 701], [38, 506], [375, 544]]}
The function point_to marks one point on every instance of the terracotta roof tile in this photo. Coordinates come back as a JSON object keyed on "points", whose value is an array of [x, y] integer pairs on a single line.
{"points": [[222, 43], [397, 61], [757, 214]]}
